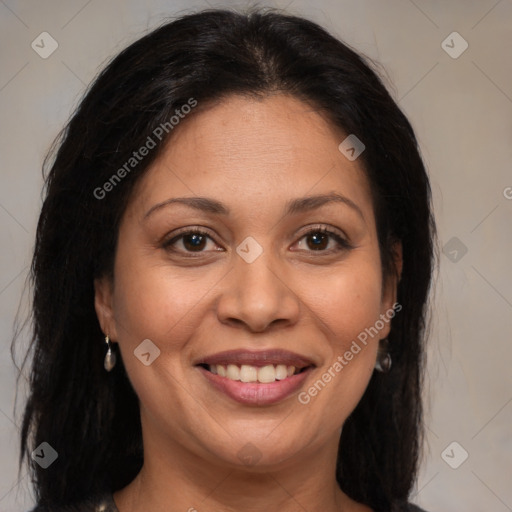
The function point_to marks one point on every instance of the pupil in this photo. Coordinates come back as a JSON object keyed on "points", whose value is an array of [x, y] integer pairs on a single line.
{"points": [[194, 241], [318, 241]]}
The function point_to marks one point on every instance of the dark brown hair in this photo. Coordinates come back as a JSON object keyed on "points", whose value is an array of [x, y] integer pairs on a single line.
{"points": [[91, 417]]}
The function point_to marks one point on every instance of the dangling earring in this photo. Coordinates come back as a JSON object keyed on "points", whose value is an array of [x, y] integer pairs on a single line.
{"points": [[383, 362], [110, 357]]}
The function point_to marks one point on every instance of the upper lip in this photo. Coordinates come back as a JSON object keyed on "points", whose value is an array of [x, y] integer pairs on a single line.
{"points": [[257, 358]]}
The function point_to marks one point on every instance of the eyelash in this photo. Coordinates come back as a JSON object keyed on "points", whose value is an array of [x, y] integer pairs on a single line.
{"points": [[343, 244]]}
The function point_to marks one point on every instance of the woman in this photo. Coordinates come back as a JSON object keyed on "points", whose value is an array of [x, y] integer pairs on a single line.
{"points": [[230, 280]]}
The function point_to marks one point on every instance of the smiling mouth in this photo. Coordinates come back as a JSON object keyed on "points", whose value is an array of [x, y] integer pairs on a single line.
{"points": [[249, 373]]}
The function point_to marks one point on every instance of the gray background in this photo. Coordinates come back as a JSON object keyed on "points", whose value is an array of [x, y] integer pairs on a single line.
{"points": [[461, 110]]}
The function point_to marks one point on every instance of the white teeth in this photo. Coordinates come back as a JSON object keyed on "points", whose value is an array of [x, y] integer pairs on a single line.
{"points": [[266, 373], [247, 373], [281, 372], [233, 372]]}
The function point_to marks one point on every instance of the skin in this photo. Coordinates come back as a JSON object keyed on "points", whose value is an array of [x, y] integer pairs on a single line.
{"points": [[253, 156]]}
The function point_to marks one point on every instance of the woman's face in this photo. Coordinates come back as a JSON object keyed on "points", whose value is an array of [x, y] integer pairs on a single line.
{"points": [[285, 272]]}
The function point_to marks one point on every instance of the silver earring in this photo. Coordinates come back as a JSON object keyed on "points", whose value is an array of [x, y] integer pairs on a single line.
{"points": [[110, 357], [383, 362]]}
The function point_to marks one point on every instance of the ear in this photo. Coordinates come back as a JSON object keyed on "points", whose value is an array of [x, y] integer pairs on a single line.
{"points": [[390, 285], [103, 304]]}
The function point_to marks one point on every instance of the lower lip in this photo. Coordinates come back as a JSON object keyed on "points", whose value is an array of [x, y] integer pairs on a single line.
{"points": [[255, 393]]}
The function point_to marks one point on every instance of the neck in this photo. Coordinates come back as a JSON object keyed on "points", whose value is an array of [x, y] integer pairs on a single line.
{"points": [[174, 479]]}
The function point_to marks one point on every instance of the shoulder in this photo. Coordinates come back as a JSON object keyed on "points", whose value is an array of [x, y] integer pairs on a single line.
{"points": [[414, 508], [101, 503]]}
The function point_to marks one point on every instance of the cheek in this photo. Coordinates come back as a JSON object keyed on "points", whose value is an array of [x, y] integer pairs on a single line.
{"points": [[153, 302], [150, 302], [348, 301], [348, 307]]}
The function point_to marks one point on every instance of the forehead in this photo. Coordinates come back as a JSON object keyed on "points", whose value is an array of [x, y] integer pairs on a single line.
{"points": [[263, 150]]}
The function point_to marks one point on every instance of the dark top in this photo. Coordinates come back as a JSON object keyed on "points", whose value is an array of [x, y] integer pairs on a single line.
{"points": [[105, 503]]}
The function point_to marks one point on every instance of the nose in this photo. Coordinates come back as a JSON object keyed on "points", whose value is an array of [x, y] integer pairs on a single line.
{"points": [[257, 297]]}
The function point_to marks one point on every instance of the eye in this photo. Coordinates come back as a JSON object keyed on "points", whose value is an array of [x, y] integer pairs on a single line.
{"points": [[317, 239], [190, 241], [321, 239]]}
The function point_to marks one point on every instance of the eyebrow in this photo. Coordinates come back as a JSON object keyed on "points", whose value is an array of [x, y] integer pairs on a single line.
{"points": [[294, 206]]}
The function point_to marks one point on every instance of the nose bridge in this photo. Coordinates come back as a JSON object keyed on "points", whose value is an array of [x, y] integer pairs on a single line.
{"points": [[255, 293], [259, 278]]}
